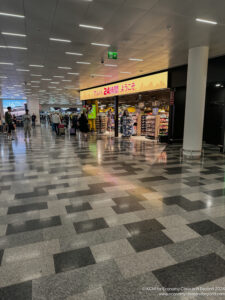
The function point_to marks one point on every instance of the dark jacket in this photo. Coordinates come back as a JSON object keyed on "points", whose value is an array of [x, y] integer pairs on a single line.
{"points": [[8, 118], [83, 123]]}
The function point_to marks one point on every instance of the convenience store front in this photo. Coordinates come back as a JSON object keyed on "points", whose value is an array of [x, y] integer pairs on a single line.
{"points": [[146, 100]]}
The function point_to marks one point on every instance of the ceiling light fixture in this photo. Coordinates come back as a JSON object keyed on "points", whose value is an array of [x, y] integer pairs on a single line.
{"points": [[13, 47], [66, 80], [46, 79], [109, 65], [56, 76], [36, 75], [52, 82], [99, 75], [91, 27], [11, 15], [206, 21], [36, 66], [83, 63], [5, 63], [60, 40], [65, 68], [77, 74], [100, 45], [125, 72], [22, 70], [3, 77], [136, 59], [14, 34], [74, 53]]}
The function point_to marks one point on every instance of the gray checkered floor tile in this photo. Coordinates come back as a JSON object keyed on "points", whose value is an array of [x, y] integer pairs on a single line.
{"points": [[108, 219]]}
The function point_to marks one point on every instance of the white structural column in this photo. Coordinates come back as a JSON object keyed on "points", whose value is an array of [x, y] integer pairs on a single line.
{"points": [[34, 107], [1, 109], [195, 101]]}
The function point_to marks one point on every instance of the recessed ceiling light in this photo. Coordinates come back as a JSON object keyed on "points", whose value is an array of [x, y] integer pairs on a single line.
{"points": [[91, 27], [22, 70], [35, 81], [77, 74], [99, 75], [101, 45], [136, 59], [218, 85], [206, 21], [74, 53], [60, 40], [65, 68], [109, 65], [83, 63], [35, 86], [52, 87], [6, 63], [67, 80], [52, 82], [46, 79], [11, 15], [14, 34], [36, 75], [125, 72], [3, 77], [36, 66], [13, 47], [56, 76]]}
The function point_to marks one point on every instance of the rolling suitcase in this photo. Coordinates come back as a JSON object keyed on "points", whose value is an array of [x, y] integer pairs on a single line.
{"points": [[61, 129], [72, 131]]}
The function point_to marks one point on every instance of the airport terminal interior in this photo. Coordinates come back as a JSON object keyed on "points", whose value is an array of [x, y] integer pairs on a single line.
{"points": [[112, 149]]}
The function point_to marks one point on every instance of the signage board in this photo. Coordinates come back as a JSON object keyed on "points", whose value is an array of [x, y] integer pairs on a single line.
{"points": [[142, 84], [112, 55], [92, 113]]}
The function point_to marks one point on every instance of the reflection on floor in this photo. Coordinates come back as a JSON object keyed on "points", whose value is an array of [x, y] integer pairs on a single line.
{"points": [[108, 219]]}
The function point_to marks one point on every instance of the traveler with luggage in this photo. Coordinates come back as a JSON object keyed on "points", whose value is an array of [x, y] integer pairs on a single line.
{"points": [[55, 123]]}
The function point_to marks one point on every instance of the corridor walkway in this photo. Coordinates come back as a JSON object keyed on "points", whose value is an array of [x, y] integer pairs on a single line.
{"points": [[108, 219]]}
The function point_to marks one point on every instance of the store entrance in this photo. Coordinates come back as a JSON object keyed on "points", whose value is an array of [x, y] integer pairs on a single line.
{"points": [[144, 115]]}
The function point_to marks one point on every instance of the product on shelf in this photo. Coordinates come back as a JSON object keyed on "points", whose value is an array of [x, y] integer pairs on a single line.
{"points": [[152, 126], [164, 124], [143, 124], [134, 119], [101, 123], [127, 126]]}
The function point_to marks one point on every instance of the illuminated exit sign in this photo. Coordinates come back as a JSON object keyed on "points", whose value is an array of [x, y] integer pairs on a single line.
{"points": [[112, 55]]}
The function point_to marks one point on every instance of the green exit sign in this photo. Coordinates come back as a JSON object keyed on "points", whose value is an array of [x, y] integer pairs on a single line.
{"points": [[112, 55]]}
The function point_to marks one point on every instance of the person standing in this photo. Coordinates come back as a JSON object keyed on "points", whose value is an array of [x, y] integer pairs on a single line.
{"points": [[56, 121], [74, 123], [27, 125], [33, 120], [9, 123], [83, 124]]}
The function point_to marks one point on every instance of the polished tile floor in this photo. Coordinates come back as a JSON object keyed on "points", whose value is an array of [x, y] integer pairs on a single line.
{"points": [[109, 219]]}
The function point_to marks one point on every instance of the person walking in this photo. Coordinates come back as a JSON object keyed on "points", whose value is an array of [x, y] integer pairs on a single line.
{"points": [[9, 123], [83, 124], [74, 122], [56, 121], [33, 120], [27, 125]]}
